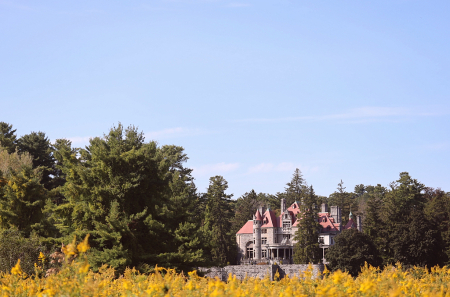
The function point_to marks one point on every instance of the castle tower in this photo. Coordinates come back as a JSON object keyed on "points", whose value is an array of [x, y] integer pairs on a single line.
{"points": [[257, 222], [336, 214], [283, 205]]}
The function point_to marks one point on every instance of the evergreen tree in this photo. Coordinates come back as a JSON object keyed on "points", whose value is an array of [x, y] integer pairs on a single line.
{"points": [[411, 237], [8, 137], [344, 200], [351, 250], [136, 199], [39, 147], [246, 206], [373, 225], [296, 189], [22, 196], [437, 209], [218, 217], [306, 249]]}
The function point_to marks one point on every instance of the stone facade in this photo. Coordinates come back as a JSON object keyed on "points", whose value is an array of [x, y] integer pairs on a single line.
{"points": [[261, 271]]}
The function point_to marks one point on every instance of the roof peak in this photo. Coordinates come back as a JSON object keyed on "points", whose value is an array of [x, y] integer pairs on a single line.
{"points": [[258, 215]]}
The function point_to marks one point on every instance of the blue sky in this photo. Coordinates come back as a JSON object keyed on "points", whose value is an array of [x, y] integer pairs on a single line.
{"points": [[351, 90]]}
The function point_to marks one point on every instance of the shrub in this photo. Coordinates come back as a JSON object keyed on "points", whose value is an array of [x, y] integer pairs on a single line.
{"points": [[14, 246]]}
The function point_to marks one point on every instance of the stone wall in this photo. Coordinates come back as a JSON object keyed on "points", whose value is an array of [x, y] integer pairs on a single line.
{"points": [[261, 271]]}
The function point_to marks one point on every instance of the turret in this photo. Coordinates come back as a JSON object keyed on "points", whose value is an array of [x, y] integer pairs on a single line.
{"points": [[336, 214], [283, 205], [257, 222]]}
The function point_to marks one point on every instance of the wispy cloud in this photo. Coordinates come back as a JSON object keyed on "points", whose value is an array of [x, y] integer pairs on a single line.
{"points": [[370, 113], [280, 167], [172, 132], [214, 169]]}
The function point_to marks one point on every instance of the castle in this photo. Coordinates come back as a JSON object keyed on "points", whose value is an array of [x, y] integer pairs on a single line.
{"points": [[270, 237]]}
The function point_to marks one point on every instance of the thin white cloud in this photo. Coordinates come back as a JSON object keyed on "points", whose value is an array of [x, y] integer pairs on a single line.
{"points": [[261, 168], [214, 169], [172, 132], [370, 113]]}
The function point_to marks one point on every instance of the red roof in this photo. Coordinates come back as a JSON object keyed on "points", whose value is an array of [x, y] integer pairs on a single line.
{"points": [[269, 219], [258, 216], [327, 222], [247, 228], [294, 209], [351, 224]]}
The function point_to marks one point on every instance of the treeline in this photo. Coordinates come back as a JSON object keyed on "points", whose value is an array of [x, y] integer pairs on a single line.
{"points": [[140, 205]]}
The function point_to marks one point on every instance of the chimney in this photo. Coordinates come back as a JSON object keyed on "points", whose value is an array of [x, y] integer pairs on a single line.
{"points": [[324, 207], [262, 210], [336, 214], [283, 205], [359, 223]]}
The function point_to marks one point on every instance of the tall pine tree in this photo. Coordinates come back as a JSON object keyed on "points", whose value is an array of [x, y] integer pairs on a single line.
{"points": [[296, 189], [306, 249], [8, 137], [218, 217]]}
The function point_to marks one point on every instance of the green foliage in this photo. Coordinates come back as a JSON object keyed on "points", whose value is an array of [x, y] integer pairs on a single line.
{"points": [[8, 137], [307, 250], [373, 224], [345, 200], [135, 199], [296, 189], [14, 245], [410, 237], [217, 225], [437, 209], [22, 196], [39, 147], [351, 250]]}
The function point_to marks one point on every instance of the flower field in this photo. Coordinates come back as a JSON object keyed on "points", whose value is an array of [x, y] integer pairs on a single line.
{"points": [[76, 279]]}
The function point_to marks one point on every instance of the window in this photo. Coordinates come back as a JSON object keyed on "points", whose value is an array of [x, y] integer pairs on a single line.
{"points": [[263, 240], [324, 219], [263, 254], [286, 225], [264, 231], [288, 236], [321, 240], [249, 252]]}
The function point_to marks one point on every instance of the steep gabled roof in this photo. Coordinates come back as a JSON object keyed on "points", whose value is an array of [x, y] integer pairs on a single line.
{"points": [[327, 222], [294, 209], [351, 224], [258, 216], [269, 219], [247, 228]]}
